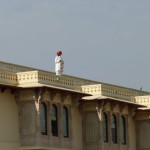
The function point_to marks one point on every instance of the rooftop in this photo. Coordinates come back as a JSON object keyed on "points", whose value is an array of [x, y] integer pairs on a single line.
{"points": [[25, 77]]}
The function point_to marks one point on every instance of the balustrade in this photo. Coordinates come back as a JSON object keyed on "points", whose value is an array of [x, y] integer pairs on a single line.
{"points": [[11, 74]]}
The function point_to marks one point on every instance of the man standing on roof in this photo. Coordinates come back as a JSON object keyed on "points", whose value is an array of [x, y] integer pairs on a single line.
{"points": [[59, 63]]}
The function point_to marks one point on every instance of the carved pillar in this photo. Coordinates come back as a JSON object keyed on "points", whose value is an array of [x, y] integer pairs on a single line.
{"points": [[17, 99], [49, 129], [81, 110], [119, 132], [100, 116], [60, 133], [109, 130], [37, 98], [70, 125], [37, 124]]}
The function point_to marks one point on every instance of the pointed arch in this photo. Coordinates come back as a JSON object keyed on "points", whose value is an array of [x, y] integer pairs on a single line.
{"points": [[123, 130], [105, 127], [114, 128], [43, 118], [65, 125], [54, 120]]}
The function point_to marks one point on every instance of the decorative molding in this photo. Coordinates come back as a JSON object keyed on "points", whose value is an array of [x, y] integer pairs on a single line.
{"points": [[75, 98], [107, 106], [99, 109], [122, 107], [38, 92], [63, 96], [113, 106], [132, 111], [53, 94]]}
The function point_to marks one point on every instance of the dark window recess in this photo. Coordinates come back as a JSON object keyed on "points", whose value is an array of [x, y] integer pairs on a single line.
{"points": [[54, 120], [123, 130], [65, 122], [43, 119], [114, 128], [105, 127]]}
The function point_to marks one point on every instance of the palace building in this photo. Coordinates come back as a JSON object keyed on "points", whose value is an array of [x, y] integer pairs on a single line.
{"points": [[39, 112]]}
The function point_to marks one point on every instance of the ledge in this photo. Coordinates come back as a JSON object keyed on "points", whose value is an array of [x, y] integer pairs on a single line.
{"points": [[10, 75], [43, 148]]}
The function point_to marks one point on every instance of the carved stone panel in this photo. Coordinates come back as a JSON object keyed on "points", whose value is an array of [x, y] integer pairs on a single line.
{"points": [[91, 131], [28, 119], [143, 135]]}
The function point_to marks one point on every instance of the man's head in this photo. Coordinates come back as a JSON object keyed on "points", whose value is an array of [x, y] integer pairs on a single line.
{"points": [[59, 53]]}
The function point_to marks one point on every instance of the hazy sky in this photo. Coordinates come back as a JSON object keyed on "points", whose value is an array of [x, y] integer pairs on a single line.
{"points": [[103, 40]]}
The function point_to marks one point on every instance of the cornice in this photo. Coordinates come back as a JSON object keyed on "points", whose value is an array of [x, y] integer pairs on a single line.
{"points": [[21, 76]]}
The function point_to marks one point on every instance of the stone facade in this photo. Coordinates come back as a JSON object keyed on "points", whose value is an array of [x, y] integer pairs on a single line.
{"points": [[39, 112]]}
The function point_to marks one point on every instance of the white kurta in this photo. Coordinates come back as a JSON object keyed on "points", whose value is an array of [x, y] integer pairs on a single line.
{"points": [[59, 65]]}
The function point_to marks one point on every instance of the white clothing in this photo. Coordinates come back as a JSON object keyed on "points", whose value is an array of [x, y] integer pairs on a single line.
{"points": [[59, 65]]}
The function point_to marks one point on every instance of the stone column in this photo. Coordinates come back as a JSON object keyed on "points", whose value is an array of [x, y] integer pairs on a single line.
{"points": [[100, 118], [37, 123], [70, 125], [127, 132], [37, 98], [109, 130], [119, 135], [60, 132], [49, 132]]}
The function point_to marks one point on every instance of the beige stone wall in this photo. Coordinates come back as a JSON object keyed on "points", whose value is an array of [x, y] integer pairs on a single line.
{"points": [[77, 129], [27, 97], [143, 130], [118, 110], [9, 136], [131, 133]]}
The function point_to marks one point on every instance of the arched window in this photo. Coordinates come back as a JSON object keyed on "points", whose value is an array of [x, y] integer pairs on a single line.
{"points": [[105, 127], [114, 128], [54, 120], [43, 119], [65, 122], [123, 130]]}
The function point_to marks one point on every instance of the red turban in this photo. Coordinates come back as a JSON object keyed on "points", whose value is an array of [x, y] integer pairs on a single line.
{"points": [[59, 53]]}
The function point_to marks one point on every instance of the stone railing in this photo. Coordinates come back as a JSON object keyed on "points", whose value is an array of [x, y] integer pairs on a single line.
{"points": [[50, 78], [121, 92], [8, 78], [13, 67], [27, 77], [65, 81], [112, 91], [144, 100]]}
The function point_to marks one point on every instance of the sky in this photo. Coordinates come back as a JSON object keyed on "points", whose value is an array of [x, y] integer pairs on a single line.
{"points": [[101, 40]]}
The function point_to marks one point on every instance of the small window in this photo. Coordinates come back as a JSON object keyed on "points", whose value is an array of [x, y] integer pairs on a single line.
{"points": [[105, 127], [65, 122], [54, 120], [114, 128], [123, 130], [43, 119]]}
